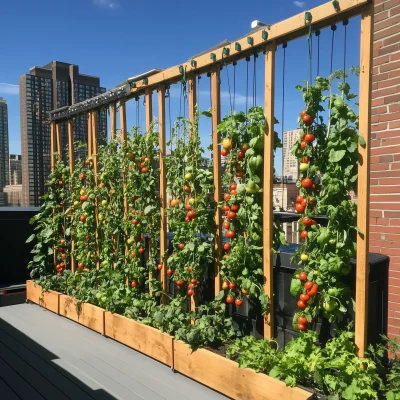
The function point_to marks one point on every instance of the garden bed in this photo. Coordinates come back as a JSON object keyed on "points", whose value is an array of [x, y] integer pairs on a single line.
{"points": [[49, 300], [226, 377], [90, 316]]}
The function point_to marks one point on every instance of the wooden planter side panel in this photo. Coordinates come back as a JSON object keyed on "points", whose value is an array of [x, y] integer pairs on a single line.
{"points": [[226, 377], [90, 316], [143, 338], [48, 300]]}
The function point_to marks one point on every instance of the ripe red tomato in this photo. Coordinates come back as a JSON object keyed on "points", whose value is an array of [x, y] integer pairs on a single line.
{"points": [[307, 119], [227, 246], [238, 302], [304, 203], [302, 276], [180, 283], [81, 265], [229, 299], [82, 177], [225, 207], [233, 186], [235, 207], [301, 305], [302, 320], [299, 199], [181, 246], [314, 187], [304, 234], [304, 297], [135, 222], [299, 208], [309, 138], [306, 183], [307, 221], [313, 291], [232, 285], [133, 255], [305, 160], [303, 145], [241, 155], [188, 207], [303, 113], [141, 250], [145, 169], [82, 218], [187, 189], [169, 272], [227, 196], [142, 164], [159, 267], [233, 192], [226, 225], [84, 198], [231, 215], [230, 234], [190, 292], [134, 284], [301, 327], [191, 214], [308, 285], [224, 152]]}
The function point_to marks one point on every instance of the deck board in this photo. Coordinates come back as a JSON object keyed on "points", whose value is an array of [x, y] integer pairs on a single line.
{"points": [[84, 364]]}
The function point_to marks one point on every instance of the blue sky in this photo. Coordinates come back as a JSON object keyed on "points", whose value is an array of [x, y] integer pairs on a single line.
{"points": [[117, 39]]}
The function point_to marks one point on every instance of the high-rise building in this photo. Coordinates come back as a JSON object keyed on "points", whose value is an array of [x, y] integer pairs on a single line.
{"points": [[290, 162], [15, 169], [3, 144], [55, 85]]}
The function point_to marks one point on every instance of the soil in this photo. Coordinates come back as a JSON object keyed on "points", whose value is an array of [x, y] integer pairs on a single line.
{"points": [[219, 349]]}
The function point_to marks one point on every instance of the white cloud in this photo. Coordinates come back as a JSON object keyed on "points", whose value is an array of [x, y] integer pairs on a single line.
{"points": [[106, 4], [8, 88], [300, 4]]}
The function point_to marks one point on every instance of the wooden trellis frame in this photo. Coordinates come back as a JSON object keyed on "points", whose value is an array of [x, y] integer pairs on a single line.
{"points": [[266, 40]]}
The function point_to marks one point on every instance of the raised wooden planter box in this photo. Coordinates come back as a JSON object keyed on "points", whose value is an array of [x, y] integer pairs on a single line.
{"points": [[147, 340], [226, 377], [90, 316], [49, 300]]}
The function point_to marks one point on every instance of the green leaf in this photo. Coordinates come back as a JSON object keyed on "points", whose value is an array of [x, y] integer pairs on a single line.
{"points": [[361, 141], [295, 286], [30, 238], [220, 295], [336, 155]]}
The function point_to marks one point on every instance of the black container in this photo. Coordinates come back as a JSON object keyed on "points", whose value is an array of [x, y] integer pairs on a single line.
{"points": [[285, 302], [16, 253]]}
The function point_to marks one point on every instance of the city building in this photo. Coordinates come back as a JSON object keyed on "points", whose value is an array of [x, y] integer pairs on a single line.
{"points": [[284, 196], [290, 162], [15, 169], [13, 195], [3, 144], [46, 88]]}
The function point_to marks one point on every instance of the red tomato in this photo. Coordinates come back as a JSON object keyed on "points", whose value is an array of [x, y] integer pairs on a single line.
{"points": [[309, 137], [226, 225], [233, 186], [238, 302], [313, 291], [181, 246], [227, 196], [304, 234], [302, 276], [180, 283], [305, 160], [307, 119], [241, 155], [82, 218], [299, 208], [303, 113], [235, 207], [227, 246], [232, 285], [224, 152], [299, 199], [82, 177], [313, 222], [301, 327], [133, 255], [302, 320], [304, 297], [307, 221], [190, 292], [145, 169], [308, 285], [233, 192], [81, 265], [141, 250], [135, 222], [303, 145], [159, 267], [301, 305], [188, 207], [304, 203], [190, 268], [191, 214], [231, 215], [225, 207], [169, 272], [229, 299], [306, 183], [186, 188], [134, 284], [314, 187], [230, 234]]}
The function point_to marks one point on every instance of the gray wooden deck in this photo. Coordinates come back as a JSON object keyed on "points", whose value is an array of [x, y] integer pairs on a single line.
{"points": [[45, 356]]}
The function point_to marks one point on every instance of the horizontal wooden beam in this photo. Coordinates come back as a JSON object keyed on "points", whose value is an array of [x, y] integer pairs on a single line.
{"points": [[286, 30]]}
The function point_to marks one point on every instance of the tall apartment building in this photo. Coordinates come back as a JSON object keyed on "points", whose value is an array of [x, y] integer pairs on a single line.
{"points": [[290, 162], [15, 169], [3, 144], [46, 88]]}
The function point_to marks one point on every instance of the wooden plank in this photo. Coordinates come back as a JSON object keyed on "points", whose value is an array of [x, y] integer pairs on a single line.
{"points": [[113, 118], [216, 139], [163, 190], [268, 175], [143, 338], [49, 300], [71, 170], [322, 16], [89, 135], [95, 145], [122, 121], [226, 377], [363, 190], [58, 140], [52, 143], [89, 315]]}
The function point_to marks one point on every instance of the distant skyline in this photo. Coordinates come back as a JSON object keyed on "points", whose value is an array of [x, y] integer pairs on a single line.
{"points": [[119, 39]]}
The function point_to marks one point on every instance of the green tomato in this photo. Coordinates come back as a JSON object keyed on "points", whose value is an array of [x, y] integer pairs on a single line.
{"points": [[192, 201], [130, 156], [76, 203], [330, 305], [345, 269], [333, 291], [304, 257], [104, 203], [101, 216], [129, 241], [189, 176], [303, 167]]}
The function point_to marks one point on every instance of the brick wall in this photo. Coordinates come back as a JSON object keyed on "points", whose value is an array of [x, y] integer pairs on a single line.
{"points": [[385, 151]]}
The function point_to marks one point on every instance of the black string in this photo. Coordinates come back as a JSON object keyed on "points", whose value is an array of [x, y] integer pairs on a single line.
{"points": [[333, 27], [229, 85], [254, 81]]}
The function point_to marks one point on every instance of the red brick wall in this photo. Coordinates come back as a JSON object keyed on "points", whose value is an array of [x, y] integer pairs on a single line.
{"points": [[385, 149]]}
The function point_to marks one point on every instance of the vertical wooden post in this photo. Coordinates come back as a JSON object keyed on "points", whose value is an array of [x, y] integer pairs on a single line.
{"points": [[149, 118], [268, 216], [71, 171], [58, 139], [95, 149], [89, 135], [192, 110], [362, 273], [163, 189], [216, 139], [113, 117], [52, 144]]}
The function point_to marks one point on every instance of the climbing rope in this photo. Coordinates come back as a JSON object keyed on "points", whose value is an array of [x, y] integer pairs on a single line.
{"points": [[333, 28]]}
